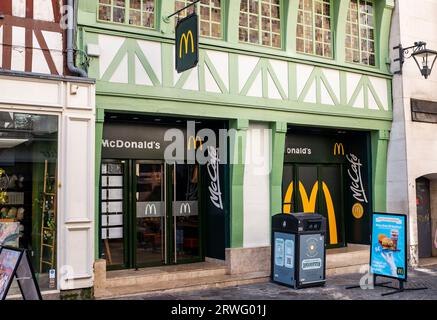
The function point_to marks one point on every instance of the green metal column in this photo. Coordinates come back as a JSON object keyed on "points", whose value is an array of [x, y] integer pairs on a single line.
{"points": [[279, 132], [237, 158], [100, 118], [379, 142]]}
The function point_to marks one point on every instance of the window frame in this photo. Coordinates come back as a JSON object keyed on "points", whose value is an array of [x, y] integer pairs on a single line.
{"points": [[281, 28], [332, 29], [222, 20], [126, 15], [375, 38]]}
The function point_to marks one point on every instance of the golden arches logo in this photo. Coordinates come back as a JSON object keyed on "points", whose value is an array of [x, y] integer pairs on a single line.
{"points": [[358, 210], [184, 43], [338, 149], [194, 141], [309, 205]]}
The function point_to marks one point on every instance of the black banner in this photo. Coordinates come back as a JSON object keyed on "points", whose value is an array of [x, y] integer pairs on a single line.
{"points": [[358, 201], [312, 148], [137, 141], [215, 205]]}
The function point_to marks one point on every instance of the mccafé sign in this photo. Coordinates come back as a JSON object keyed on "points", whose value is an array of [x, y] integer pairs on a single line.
{"points": [[187, 43]]}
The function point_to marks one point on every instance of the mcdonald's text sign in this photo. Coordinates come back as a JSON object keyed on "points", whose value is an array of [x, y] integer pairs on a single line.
{"points": [[187, 43]]}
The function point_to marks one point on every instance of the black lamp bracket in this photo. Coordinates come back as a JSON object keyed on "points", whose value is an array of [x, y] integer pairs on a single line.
{"points": [[406, 53]]}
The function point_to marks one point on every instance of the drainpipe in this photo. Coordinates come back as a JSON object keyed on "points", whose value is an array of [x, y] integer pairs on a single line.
{"points": [[70, 42]]}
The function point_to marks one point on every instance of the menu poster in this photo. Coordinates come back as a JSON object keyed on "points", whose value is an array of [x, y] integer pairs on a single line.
{"points": [[388, 257], [9, 259]]}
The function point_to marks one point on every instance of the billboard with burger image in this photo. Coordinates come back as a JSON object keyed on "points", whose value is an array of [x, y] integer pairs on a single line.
{"points": [[388, 252]]}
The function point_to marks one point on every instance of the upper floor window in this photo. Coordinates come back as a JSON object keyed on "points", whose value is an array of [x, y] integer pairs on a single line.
{"points": [[260, 22], [133, 12], [360, 33], [314, 34], [210, 16]]}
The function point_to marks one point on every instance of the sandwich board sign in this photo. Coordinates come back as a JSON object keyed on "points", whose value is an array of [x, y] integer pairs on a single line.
{"points": [[15, 263], [388, 257], [388, 252], [187, 43]]}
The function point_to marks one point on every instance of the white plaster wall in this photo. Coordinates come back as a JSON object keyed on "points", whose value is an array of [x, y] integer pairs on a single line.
{"points": [[43, 10], [19, 8], [74, 104], [413, 145], [256, 191], [18, 51]]}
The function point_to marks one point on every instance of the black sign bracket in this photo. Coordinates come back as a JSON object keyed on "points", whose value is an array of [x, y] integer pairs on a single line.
{"points": [[180, 10]]}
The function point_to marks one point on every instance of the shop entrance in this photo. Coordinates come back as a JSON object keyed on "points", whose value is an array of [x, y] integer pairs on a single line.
{"points": [[424, 217], [316, 188], [150, 213], [328, 172]]}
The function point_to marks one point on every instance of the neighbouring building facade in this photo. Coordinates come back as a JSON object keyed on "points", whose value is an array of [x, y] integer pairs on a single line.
{"points": [[47, 128], [304, 86], [412, 156]]}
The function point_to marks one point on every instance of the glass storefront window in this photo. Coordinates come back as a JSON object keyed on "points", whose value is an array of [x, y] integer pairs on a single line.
{"points": [[133, 12], [260, 22], [314, 28], [28, 205], [210, 16], [360, 33]]}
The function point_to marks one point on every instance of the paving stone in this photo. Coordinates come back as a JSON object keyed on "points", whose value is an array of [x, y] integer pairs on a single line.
{"points": [[335, 289]]}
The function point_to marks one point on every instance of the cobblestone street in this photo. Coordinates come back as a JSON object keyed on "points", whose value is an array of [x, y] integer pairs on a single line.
{"points": [[334, 290]]}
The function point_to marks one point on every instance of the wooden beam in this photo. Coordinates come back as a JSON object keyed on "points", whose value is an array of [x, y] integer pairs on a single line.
{"points": [[29, 38], [6, 7], [46, 51]]}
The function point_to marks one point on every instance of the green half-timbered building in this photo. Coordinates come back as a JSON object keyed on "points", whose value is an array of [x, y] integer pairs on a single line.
{"points": [[314, 72]]}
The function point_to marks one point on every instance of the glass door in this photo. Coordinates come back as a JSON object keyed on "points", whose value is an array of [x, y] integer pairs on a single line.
{"points": [[150, 218], [316, 188], [185, 211], [113, 219]]}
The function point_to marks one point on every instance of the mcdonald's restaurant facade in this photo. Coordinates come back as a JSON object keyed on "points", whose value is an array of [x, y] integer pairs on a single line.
{"points": [[317, 127]]}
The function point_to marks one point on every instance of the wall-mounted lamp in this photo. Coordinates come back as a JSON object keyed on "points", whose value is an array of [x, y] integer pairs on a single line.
{"points": [[424, 58], [2, 16]]}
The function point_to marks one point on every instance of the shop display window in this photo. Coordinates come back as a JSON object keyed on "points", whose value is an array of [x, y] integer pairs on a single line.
{"points": [[28, 189]]}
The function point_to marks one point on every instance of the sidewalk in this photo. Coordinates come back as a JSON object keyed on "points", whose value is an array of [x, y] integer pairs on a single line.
{"points": [[334, 290]]}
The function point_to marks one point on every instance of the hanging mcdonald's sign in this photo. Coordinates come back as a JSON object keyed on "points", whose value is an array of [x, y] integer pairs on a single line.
{"points": [[187, 43]]}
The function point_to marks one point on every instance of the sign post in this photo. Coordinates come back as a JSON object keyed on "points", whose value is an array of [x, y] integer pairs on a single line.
{"points": [[388, 251]]}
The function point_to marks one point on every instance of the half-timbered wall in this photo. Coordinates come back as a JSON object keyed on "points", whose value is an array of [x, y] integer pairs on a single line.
{"points": [[31, 38]]}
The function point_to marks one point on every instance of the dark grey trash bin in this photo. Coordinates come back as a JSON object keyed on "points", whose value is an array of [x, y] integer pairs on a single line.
{"points": [[299, 250]]}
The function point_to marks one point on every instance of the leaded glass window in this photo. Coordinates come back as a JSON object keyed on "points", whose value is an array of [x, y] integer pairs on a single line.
{"points": [[260, 22], [360, 33], [210, 16], [314, 28], [132, 12]]}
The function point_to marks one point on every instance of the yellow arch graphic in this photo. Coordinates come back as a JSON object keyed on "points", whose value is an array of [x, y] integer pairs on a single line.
{"points": [[193, 141], [309, 205], [287, 200], [184, 40], [331, 215]]}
